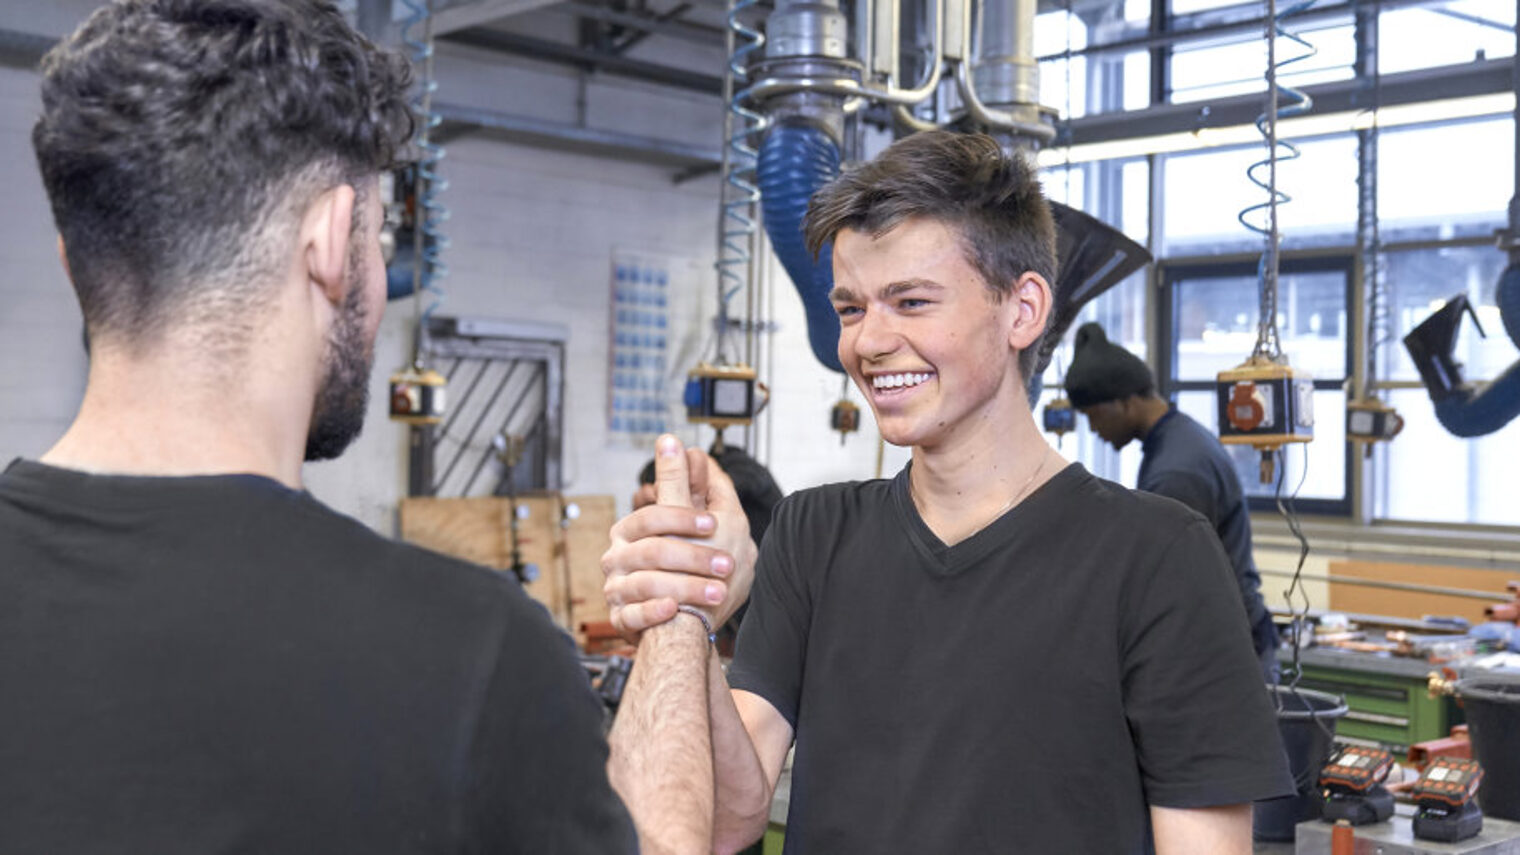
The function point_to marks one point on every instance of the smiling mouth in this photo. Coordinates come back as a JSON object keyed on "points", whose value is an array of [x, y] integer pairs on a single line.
{"points": [[905, 380]]}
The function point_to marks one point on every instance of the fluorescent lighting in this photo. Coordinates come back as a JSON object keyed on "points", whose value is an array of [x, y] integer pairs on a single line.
{"points": [[1301, 126]]}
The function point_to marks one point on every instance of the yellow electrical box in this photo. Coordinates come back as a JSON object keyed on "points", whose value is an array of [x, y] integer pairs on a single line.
{"points": [[417, 396]]}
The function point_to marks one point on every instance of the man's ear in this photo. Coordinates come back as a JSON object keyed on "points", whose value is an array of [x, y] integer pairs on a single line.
{"points": [[324, 238], [1032, 299]]}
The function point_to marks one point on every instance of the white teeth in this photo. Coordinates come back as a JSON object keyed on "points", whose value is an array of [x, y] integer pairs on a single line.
{"points": [[894, 381]]}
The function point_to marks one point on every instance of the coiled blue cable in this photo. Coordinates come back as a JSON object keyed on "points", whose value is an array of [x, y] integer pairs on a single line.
{"points": [[1290, 102]]}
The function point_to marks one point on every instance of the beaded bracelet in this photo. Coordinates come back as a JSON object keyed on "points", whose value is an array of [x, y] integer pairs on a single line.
{"points": [[712, 637]]}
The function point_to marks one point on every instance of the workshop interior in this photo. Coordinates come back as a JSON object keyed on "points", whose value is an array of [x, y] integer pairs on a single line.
{"points": [[1304, 216]]}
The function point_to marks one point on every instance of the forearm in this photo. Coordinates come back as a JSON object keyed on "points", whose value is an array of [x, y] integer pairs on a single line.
{"points": [[1224, 830], [743, 789], [661, 761]]}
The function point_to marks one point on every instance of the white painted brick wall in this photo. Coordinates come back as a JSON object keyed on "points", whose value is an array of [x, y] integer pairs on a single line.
{"points": [[532, 234]]}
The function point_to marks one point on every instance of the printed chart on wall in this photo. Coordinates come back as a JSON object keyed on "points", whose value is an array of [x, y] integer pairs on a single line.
{"points": [[652, 320]]}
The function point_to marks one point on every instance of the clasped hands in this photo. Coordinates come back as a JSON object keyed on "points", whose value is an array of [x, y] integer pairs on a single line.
{"points": [[692, 546]]}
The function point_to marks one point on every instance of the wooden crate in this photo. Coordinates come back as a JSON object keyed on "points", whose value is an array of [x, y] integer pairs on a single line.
{"points": [[567, 552], [586, 538]]}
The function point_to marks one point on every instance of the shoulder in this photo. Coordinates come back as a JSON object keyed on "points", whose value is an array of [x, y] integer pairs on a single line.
{"points": [[1114, 506], [831, 499], [1189, 446], [1179, 424], [347, 552], [818, 520], [1109, 519], [346, 531], [1189, 486]]}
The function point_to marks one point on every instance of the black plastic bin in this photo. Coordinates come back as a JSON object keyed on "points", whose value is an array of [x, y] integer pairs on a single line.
{"points": [[1493, 720], [1306, 720]]}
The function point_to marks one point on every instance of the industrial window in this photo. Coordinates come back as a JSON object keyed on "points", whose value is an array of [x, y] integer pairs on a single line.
{"points": [[1118, 193], [1436, 34], [1437, 217], [1181, 8], [1121, 311], [1478, 475], [1438, 223], [1235, 65], [1208, 323], [1115, 191], [1084, 83], [1424, 196], [1204, 193]]}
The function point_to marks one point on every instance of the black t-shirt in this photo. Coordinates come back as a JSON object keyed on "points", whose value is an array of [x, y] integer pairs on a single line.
{"points": [[1183, 460], [1030, 689], [223, 665]]}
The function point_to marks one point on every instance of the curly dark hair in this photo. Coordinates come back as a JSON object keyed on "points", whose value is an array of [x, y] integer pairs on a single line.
{"points": [[993, 201], [181, 139]]}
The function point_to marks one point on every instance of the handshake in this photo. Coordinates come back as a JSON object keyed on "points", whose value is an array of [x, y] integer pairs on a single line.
{"points": [[689, 545]]}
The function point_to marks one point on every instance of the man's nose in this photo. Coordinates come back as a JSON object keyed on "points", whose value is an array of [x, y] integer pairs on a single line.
{"points": [[876, 335]]}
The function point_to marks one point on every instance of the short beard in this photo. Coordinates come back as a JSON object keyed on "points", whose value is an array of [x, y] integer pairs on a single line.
{"points": [[338, 414]]}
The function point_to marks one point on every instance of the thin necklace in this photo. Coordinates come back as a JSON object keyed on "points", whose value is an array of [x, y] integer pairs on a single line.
{"points": [[1044, 459]]}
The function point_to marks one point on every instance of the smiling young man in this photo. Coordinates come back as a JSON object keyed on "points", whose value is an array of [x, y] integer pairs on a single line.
{"points": [[993, 651]]}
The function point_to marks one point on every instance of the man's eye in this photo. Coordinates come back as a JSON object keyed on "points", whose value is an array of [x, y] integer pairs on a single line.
{"points": [[847, 311]]}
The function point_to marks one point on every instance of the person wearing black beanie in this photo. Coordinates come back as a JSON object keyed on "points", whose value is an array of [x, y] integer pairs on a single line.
{"points": [[1102, 371], [1181, 460]]}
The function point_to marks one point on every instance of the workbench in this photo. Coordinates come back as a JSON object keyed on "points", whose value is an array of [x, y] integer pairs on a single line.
{"points": [[1387, 695], [1395, 837]]}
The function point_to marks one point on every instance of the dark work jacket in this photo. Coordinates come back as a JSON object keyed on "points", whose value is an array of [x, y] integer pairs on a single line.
{"points": [[1183, 460]]}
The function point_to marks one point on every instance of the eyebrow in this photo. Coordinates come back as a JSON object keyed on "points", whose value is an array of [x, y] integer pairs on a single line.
{"points": [[842, 294]]}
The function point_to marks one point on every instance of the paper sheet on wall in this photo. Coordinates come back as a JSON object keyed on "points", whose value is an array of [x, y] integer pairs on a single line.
{"points": [[654, 326]]}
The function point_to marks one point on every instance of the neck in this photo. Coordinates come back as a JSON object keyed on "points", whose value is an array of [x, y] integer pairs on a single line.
{"points": [[1151, 410], [960, 490], [175, 411]]}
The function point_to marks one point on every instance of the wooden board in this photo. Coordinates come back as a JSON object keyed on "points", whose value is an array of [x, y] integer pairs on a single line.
{"points": [[538, 537], [469, 529], [1412, 604], [586, 538], [479, 530]]}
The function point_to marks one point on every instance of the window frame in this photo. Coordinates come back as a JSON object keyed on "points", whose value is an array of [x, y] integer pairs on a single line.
{"points": [[1168, 32], [1167, 309]]}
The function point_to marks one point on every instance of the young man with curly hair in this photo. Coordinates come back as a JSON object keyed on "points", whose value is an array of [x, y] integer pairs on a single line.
{"points": [[198, 656]]}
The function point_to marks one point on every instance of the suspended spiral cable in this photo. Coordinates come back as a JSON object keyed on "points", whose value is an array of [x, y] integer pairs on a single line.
{"points": [[1282, 102], [740, 194], [1379, 320], [429, 241]]}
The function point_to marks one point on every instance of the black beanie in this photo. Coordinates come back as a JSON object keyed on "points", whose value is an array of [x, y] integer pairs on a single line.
{"points": [[1102, 371]]}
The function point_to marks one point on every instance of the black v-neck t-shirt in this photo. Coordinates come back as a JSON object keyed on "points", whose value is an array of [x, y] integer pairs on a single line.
{"points": [[1030, 689], [223, 665]]}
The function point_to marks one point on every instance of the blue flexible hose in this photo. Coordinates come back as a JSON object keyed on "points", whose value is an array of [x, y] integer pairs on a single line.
{"points": [[795, 161], [1482, 411], [1470, 413], [1507, 297]]}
